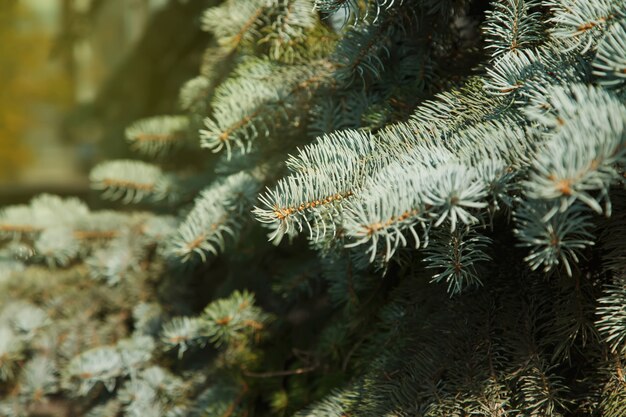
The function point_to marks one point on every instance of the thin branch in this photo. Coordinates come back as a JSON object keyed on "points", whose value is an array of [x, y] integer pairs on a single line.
{"points": [[271, 374]]}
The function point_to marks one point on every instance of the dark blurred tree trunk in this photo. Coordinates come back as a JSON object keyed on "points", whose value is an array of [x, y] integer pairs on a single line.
{"points": [[65, 38], [167, 55]]}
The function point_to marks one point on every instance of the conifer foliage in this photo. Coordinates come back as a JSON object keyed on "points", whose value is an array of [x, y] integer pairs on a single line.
{"points": [[442, 189]]}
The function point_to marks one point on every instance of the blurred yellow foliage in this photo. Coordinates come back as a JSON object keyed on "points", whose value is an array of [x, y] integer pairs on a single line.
{"points": [[26, 81]]}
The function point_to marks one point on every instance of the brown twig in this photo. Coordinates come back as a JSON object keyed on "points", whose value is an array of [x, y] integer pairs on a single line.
{"points": [[271, 374]]}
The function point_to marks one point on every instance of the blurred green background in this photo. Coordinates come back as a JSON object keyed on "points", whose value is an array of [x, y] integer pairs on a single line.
{"points": [[75, 73]]}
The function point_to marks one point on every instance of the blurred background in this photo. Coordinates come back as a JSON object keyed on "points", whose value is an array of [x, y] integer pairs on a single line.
{"points": [[75, 73]]}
